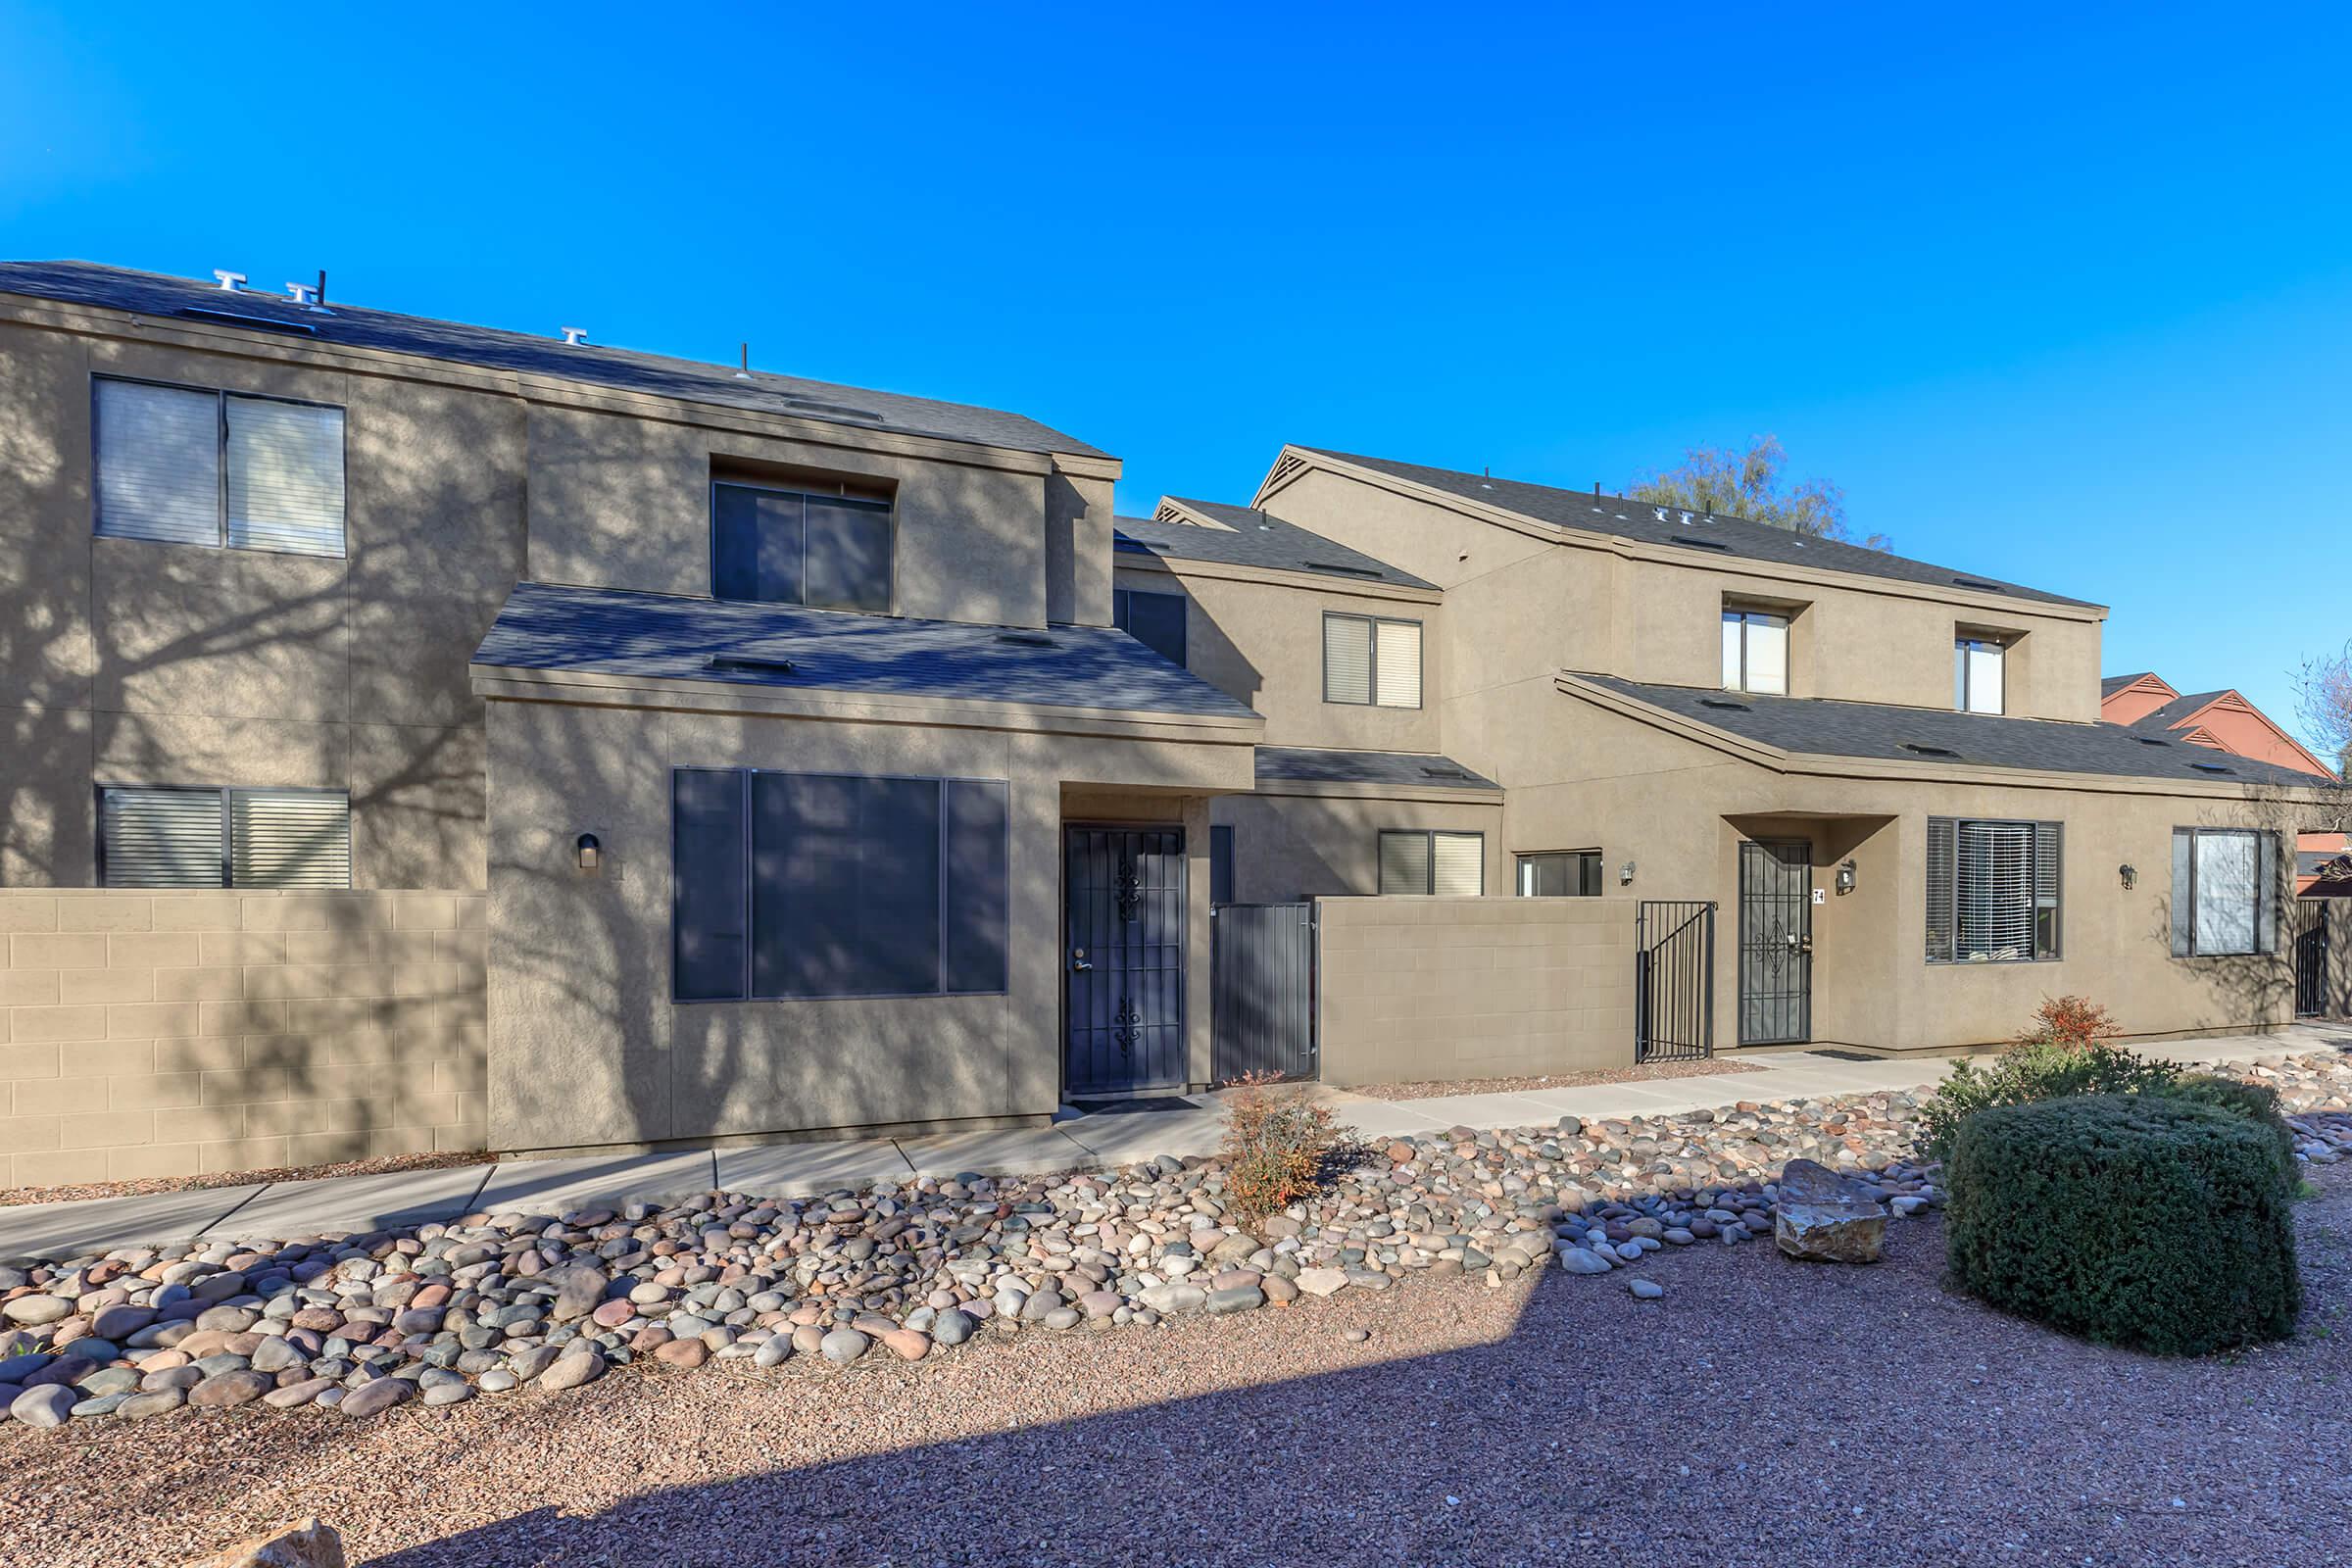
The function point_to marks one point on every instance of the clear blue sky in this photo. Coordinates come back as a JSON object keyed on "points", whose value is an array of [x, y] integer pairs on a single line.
{"points": [[2063, 297]]}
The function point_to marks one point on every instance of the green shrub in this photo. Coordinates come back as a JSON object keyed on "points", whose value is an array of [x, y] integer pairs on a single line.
{"points": [[2026, 1073], [2142, 1220], [2256, 1102]]}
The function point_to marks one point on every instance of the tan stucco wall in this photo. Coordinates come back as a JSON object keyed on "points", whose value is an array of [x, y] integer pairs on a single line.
{"points": [[1078, 529], [590, 1051], [1291, 846], [1423, 989], [169, 1034]]}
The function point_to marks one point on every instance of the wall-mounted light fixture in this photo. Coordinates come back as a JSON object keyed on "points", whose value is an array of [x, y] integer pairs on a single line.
{"points": [[1845, 877], [588, 852], [1625, 874], [2129, 875]]}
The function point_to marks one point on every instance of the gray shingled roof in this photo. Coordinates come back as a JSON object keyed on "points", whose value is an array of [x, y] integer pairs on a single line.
{"points": [[1648, 524], [2178, 708], [2109, 685], [1817, 726], [545, 626], [1420, 769], [1256, 540], [158, 295]]}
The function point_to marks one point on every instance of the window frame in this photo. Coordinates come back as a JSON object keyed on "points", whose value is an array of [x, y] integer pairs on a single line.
{"points": [[888, 506], [2040, 829], [1522, 860], [1962, 644], [222, 794], [1122, 601], [1220, 862], [2265, 921], [221, 481], [750, 893], [1432, 835], [1372, 660], [1749, 615]]}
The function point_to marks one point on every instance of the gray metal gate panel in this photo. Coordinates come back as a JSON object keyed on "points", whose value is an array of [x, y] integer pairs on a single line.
{"points": [[2311, 958], [1125, 893], [1674, 979], [1775, 942], [1264, 965]]}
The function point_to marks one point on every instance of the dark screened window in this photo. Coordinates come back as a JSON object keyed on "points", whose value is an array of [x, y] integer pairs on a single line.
{"points": [[1154, 619], [785, 546], [795, 885], [1560, 874], [1220, 865]]}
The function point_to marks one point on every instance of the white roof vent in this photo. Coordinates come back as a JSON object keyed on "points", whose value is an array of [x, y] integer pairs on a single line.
{"points": [[229, 281], [575, 336], [304, 295]]}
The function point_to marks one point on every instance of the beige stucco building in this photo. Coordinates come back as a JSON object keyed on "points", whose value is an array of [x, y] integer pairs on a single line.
{"points": [[820, 758]]}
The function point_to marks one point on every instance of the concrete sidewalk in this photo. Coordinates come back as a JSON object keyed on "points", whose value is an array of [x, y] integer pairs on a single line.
{"points": [[1196, 1126]]}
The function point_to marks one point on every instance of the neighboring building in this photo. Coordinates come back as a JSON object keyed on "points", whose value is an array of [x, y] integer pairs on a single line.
{"points": [[587, 749]]}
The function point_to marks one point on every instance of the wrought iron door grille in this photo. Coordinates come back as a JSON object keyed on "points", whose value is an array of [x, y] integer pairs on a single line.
{"points": [[1775, 942]]}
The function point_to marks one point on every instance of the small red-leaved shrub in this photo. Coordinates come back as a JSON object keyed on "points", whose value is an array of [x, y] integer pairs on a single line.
{"points": [[2070, 1021], [1276, 1145]]}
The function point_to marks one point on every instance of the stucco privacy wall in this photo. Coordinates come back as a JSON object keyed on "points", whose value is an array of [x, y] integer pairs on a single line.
{"points": [[169, 1034], [1421, 989]]}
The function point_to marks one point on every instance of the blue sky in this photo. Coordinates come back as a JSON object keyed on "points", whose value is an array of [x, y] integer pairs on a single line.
{"points": [[2058, 294]]}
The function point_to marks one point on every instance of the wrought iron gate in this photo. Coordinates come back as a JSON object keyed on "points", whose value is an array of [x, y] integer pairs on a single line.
{"points": [[2311, 958], [1674, 979], [1263, 964], [1775, 942], [1124, 966]]}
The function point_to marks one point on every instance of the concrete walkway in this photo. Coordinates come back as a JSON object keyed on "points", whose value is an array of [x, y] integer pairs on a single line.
{"points": [[1079, 1142]]}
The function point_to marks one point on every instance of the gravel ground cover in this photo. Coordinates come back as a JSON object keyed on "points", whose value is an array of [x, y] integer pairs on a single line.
{"points": [[1708, 1067], [1762, 1412], [11, 1195]]}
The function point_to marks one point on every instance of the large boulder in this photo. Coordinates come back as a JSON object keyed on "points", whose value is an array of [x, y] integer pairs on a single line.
{"points": [[1825, 1217]]}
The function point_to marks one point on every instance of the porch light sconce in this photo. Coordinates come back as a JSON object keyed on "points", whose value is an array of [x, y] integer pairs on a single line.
{"points": [[1625, 874], [588, 852], [1845, 877], [2129, 874]]}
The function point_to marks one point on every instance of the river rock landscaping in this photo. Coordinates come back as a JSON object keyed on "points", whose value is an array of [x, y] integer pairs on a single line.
{"points": [[440, 1314]]}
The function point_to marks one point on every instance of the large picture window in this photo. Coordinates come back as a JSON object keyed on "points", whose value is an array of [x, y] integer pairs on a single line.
{"points": [[799, 885], [175, 837], [1448, 864], [1755, 652], [1372, 662], [2225, 892], [181, 465], [1154, 619], [1994, 890], [793, 547]]}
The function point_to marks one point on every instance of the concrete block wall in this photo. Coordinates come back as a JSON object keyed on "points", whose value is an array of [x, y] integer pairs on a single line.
{"points": [[178, 1033], [1449, 989]]}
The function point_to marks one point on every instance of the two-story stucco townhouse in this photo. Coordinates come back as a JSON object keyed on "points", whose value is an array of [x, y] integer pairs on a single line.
{"points": [[426, 735]]}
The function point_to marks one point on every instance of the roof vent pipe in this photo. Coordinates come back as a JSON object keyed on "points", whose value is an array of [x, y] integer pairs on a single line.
{"points": [[575, 336], [229, 281], [745, 374]]}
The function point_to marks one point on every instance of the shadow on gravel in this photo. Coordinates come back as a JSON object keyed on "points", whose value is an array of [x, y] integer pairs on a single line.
{"points": [[1763, 1412]]}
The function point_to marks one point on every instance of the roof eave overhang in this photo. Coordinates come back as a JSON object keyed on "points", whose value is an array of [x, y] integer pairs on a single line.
{"points": [[1182, 567], [1363, 790]]}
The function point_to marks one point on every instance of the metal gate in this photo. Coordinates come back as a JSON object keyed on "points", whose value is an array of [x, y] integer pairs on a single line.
{"points": [[1775, 942], [1124, 889], [1674, 979], [2311, 958], [1263, 964]]}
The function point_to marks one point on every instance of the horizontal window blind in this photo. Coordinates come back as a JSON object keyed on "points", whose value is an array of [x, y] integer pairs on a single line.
{"points": [[1943, 839], [1396, 665], [1994, 890], [159, 463], [159, 838], [1404, 860], [289, 839], [1347, 659], [1460, 865], [285, 476]]}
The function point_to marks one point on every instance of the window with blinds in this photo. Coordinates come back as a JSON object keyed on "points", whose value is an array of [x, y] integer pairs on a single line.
{"points": [[1994, 890], [1449, 865], [211, 838], [2225, 892], [1371, 661], [181, 465]]}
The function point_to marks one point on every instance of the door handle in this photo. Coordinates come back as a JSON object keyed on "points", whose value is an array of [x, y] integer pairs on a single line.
{"points": [[1078, 961]]}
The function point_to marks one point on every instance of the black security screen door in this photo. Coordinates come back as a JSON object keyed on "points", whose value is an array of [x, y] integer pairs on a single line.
{"points": [[1775, 942], [1124, 960]]}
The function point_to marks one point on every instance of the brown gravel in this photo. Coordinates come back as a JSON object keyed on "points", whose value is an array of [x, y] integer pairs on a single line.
{"points": [[1764, 1413], [11, 1196], [1705, 1069]]}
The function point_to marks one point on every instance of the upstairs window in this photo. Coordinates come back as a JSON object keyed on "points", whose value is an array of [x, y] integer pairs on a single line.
{"points": [[1449, 865], [1755, 652], [180, 466], [214, 838], [1992, 891], [1154, 619], [1560, 874], [1978, 674], [1370, 661], [2225, 892], [794, 547]]}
